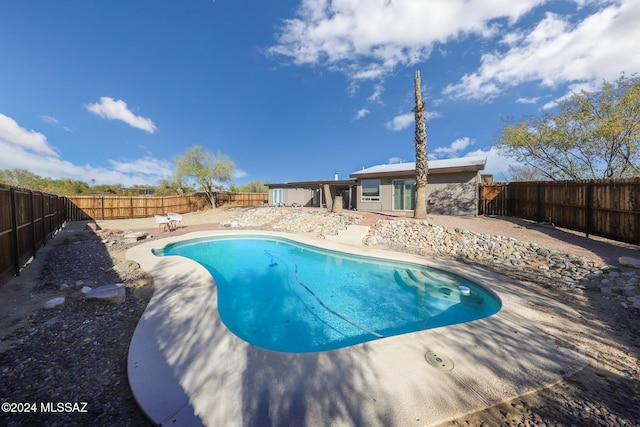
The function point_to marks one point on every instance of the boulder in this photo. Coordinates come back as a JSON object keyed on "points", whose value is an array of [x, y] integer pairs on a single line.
{"points": [[134, 237], [114, 293], [125, 266], [53, 302], [628, 261]]}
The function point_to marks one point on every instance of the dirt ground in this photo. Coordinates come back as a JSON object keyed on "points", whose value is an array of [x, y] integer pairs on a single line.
{"points": [[605, 393]]}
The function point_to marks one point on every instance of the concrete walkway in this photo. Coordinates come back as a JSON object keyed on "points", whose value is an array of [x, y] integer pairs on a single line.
{"points": [[186, 368]]}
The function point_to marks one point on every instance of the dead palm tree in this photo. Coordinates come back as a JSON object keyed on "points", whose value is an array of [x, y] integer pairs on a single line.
{"points": [[422, 166]]}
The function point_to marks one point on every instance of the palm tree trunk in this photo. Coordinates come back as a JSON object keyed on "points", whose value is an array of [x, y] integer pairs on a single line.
{"points": [[420, 211]]}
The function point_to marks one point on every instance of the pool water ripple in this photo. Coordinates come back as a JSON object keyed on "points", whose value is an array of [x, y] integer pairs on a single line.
{"points": [[289, 297]]}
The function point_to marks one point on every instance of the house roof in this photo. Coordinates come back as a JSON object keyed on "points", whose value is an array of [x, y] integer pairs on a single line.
{"points": [[346, 183], [462, 164]]}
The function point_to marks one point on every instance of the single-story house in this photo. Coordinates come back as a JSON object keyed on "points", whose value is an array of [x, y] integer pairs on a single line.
{"points": [[452, 188]]}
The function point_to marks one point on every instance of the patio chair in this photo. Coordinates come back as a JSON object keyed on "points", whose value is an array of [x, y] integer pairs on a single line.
{"points": [[163, 222], [175, 218]]}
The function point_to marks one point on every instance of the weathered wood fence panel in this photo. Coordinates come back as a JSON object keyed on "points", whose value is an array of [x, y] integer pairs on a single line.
{"points": [[27, 220], [115, 207], [494, 199], [608, 207]]}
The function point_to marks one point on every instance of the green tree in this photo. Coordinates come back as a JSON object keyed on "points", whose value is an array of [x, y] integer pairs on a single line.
{"points": [[172, 186], [525, 173], [252, 187], [205, 170], [594, 135], [20, 178], [422, 166]]}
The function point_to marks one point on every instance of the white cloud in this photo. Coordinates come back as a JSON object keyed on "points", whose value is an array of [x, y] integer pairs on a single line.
{"points": [[48, 119], [53, 121], [558, 51], [362, 113], [368, 39], [395, 159], [403, 121], [454, 148], [497, 164], [17, 137], [400, 122], [29, 150], [239, 173], [146, 166], [528, 100], [111, 109], [377, 93]]}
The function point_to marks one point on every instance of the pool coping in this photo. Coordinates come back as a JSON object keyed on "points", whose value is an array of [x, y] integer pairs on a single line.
{"points": [[186, 368]]}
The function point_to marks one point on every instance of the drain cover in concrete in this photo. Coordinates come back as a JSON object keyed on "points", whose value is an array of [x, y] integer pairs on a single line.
{"points": [[439, 361]]}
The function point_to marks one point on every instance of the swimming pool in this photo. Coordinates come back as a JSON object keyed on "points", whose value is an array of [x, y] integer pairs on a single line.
{"points": [[285, 296]]}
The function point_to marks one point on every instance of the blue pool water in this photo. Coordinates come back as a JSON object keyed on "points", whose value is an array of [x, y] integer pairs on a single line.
{"points": [[285, 296]]}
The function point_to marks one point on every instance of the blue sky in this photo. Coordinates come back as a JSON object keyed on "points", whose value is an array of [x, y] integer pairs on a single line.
{"points": [[290, 90]]}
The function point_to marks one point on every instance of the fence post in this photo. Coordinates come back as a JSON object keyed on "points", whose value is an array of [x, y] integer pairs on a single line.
{"points": [[587, 212], [42, 218], [14, 229], [33, 225], [538, 202]]}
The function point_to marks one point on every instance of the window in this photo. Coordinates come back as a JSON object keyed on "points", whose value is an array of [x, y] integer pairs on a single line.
{"points": [[370, 190]]}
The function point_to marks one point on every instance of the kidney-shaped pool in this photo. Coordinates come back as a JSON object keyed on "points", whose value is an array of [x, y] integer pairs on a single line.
{"points": [[289, 297]]}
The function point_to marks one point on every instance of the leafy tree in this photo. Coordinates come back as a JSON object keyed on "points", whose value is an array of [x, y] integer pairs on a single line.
{"points": [[595, 135], [525, 173], [252, 187], [20, 178], [26, 179], [205, 170], [422, 167], [172, 186]]}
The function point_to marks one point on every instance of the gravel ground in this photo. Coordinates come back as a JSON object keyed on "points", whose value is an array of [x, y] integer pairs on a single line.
{"points": [[77, 352]]}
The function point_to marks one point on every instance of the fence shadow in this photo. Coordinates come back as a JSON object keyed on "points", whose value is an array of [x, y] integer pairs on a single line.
{"points": [[604, 248]]}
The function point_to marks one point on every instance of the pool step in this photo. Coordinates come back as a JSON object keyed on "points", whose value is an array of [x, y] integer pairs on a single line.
{"points": [[405, 278], [446, 289]]}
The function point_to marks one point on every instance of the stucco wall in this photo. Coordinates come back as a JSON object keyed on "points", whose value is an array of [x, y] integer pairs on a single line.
{"points": [[447, 194], [299, 196]]}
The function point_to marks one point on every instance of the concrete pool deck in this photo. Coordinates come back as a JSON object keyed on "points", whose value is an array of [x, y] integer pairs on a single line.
{"points": [[186, 368]]}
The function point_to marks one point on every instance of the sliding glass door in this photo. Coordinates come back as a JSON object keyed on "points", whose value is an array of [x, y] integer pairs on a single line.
{"points": [[404, 195]]}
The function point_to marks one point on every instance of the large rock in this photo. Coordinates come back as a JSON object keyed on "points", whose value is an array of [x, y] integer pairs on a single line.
{"points": [[54, 302], [135, 236], [125, 266], [114, 293], [628, 261]]}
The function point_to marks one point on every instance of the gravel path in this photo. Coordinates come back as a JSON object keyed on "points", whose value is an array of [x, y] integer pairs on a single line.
{"points": [[76, 352]]}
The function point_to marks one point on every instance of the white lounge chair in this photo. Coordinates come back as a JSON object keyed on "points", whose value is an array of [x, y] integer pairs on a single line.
{"points": [[163, 222], [175, 218]]}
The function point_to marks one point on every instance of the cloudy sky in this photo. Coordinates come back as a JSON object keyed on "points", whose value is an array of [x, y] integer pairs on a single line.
{"points": [[293, 90]]}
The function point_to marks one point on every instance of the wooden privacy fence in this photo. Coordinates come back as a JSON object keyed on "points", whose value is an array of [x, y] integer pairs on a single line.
{"points": [[27, 220], [117, 207], [606, 207]]}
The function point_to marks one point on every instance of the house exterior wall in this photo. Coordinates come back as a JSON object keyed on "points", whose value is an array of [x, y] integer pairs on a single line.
{"points": [[296, 196], [453, 193]]}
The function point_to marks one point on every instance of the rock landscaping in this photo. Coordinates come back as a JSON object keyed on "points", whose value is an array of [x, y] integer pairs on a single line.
{"points": [[567, 271], [294, 220]]}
